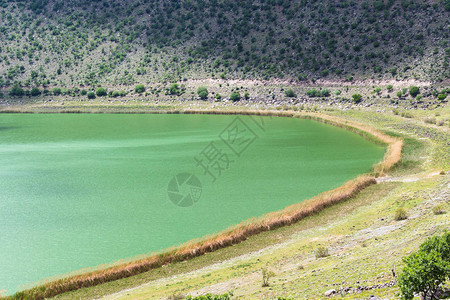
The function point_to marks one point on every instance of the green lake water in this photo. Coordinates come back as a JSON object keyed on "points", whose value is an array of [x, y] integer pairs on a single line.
{"points": [[82, 190]]}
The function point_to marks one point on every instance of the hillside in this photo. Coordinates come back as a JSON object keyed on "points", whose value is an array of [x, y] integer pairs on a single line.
{"points": [[49, 43]]}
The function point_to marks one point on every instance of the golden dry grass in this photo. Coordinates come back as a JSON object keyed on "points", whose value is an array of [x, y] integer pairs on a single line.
{"points": [[242, 231]]}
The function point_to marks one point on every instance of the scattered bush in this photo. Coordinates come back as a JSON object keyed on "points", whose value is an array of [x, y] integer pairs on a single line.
{"points": [[400, 214], [115, 94], [202, 92], [174, 89], [246, 96], [266, 275], [441, 97], [56, 91], [100, 92], [35, 92], [427, 269], [325, 93], [290, 93], [389, 87], [438, 209], [16, 90], [399, 94], [322, 252], [139, 89], [91, 95], [356, 98], [414, 91], [377, 90], [218, 97], [235, 96], [318, 93], [226, 296]]}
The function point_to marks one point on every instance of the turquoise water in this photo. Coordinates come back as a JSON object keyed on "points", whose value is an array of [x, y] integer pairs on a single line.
{"points": [[81, 190]]}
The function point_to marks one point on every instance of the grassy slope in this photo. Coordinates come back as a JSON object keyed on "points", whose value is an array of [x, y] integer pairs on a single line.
{"points": [[364, 240]]}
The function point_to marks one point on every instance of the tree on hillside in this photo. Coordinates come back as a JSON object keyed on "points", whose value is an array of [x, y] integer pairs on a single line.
{"points": [[56, 91], [174, 89], [357, 98], [16, 90], [140, 88], [414, 91], [235, 96], [35, 92], [91, 95], [427, 269], [290, 93], [202, 92], [100, 92]]}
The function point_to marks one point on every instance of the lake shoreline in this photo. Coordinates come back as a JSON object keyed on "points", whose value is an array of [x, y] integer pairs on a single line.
{"points": [[242, 231]]}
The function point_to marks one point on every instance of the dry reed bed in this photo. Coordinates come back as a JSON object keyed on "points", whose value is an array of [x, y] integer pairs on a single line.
{"points": [[242, 231]]}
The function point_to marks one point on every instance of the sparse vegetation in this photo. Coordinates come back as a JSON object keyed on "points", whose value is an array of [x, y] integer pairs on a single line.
{"points": [[290, 93], [321, 252], [266, 275], [400, 214], [438, 209], [356, 98]]}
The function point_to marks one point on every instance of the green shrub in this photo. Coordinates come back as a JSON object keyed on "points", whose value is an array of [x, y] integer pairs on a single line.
{"points": [[235, 96], [290, 93], [399, 94], [321, 252], [427, 269], [325, 93], [16, 90], [414, 91], [202, 92], [101, 92], [218, 97], [83, 92], [246, 96], [139, 89], [441, 97], [266, 275], [377, 90], [91, 95], [35, 92], [122, 93], [56, 91], [400, 214], [115, 94], [174, 89], [313, 93], [226, 296], [438, 209], [389, 87], [356, 98]]}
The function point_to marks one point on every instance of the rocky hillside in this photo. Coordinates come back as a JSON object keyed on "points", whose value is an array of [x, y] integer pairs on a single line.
{"points": [[123, 42]]}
